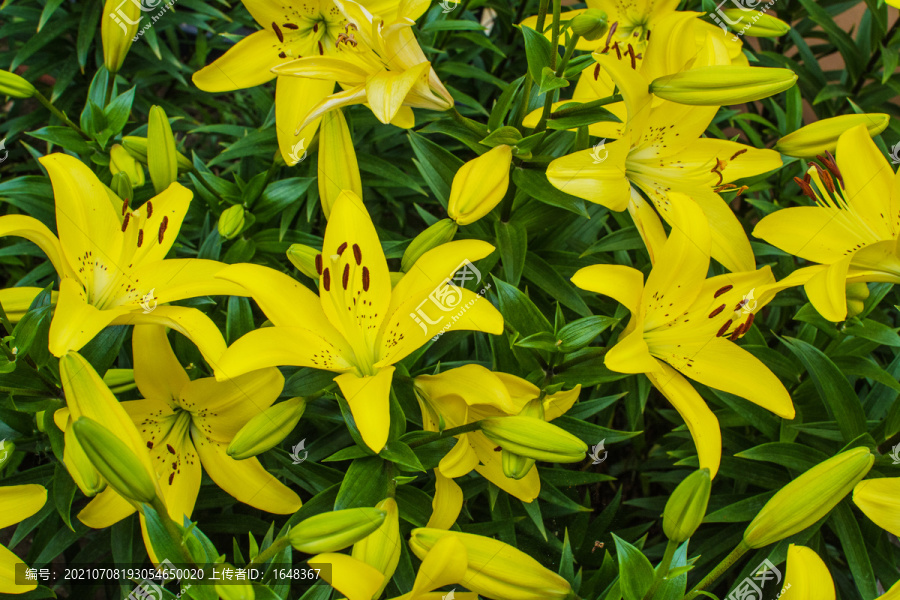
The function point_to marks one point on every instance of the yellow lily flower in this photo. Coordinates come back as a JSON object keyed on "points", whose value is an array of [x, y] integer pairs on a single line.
{"points": [[17, 503], [853, 230], [358, 326], [879, 500], [378, 63], [291, 30], [111, 261], [187, 426], [661, 152], [471, 393], [679, 324], [806, 576]]}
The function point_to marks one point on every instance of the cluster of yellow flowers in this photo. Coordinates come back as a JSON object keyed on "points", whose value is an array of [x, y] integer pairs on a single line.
{"points": [[663, 90]]}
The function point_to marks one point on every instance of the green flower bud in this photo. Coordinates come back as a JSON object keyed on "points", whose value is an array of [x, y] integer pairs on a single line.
{"points": [[439, 233], [762, 24], [534, 438], [137, 147], [267, 429], [857, 293], [114, 460], [15, 86], [822, 136], [808, 498], [231, 222], [591, 24], [121, 186], [687, 506], [161, 152], [334, 531], [304, 258], [721, 85], [235, 591], [6, 451], [118, 26], [515, 466], [121, 161]]}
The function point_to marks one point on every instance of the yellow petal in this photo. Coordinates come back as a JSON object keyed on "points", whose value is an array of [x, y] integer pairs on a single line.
{"points": [[444, 564], [324, 68], [815, 233], [460, 460], [525, 489], [479, 185], [559, 403], [180, 278], [338, 169], [701, 421], [868, 180], [447, 504], [827, 290], [8, 562], [368, 398], [475, 384], [295, 97], [631, 354], [728, 242], [597, 175], [75, 322], [623, 284], [220, 409], [635, 90], [189, 322], [806, 576], [16, 300], [18, 502], [281, 346], [381, 548], [878, 499], [246, 480], [105, 509], [648, 224], [246, 64], [36, 232], [280, 297], [351, 577], [180, 480], [355, 95], [153, 356]]}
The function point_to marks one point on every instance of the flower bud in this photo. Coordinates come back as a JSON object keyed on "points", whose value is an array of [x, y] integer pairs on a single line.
{"points": [[334, 531], [137, 147], [495, 569], [822, 136], [267, 429], [161, 159], [115, 461], [338, 169], [721, 85], [515, 466], [121, 186], [15, 86], [118, 26], [6, 451], [231, 222], [534, 438], [762, 25], [687, 506], [304, 258], [808, 498], [119, 380], [591, 24], [480, 185], [121, 161], [857, 293], [439, 233], [381, 548], [235, 591]]}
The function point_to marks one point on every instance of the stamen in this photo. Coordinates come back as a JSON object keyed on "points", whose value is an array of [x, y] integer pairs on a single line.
{"points": [[319, 264], [597, 72], [290, 26], [125, 203], [162, 228], [341, 248], [722, 290], [140, 237], [736, 334], [345, 278], [724, 328], [738, 153], [618, 52], [366, 279], [149, 209], [717, 311], [806, 189], [749, 322], [170, 448], [171, 478], [321, 48], [278, 32], [125, 222], [612, 30], [326, 280], [357, 254]]}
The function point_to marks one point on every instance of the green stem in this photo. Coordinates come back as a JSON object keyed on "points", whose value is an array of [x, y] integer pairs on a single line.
{"points": [[554, 39], [592, 104], [467, 123], [542, 15], [594, 353], [723, 566], [447, 433], [570, 49], [60, 115], [269, 553], [171, 528], [663, 569]]}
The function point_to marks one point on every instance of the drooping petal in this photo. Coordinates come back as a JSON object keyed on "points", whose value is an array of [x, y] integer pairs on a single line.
{"points": [[75, 322], [475, 384], [354, 95], [355, 284], [868, 180], [220, 408], [701, 421], [623, 284], [281, 346], [387, 90], [246, 480], [827, 290], [635, 90], [381, 548], [597, 175], [879, 499], [180, 478], [460, 460], [180, 278], [246, 64], [15, 301], [728, 241], [157, 372], [631, 354], [525, 489], [106, 509], [445, 563], [447, 503], [189, 322], [36, 232], [90, 231], [295, 97], [806, 576], [8, 585], [283, 299], [648, 224], [558, 404], [735, 161], [18, 502], [350, 576], [368, 398]]}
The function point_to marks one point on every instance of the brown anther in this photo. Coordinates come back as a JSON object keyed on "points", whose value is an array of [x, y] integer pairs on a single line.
{"points": [[149, 209], [125, 222], [345, 277], [315, 28], [630, 52], [290, 26], [717, 311], [738, 153], [162, 228], [170, 448], [723, 290], [597, 72], [140, 237], [366, 281], [125, 203], [618, 52], [319, 264], [738, 332], [341, 248], [277, 30], [321, 48], [749, 322], [612, 30], [720, 164], [326, 280], [804, 187], [171, 478], [357, 254], [724, 328]]}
